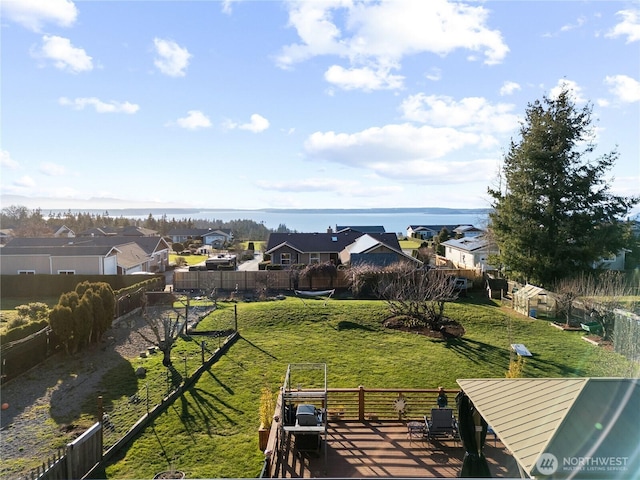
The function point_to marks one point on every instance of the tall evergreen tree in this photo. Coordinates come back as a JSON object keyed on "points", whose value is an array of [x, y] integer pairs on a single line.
{"points": [[554, 214]]}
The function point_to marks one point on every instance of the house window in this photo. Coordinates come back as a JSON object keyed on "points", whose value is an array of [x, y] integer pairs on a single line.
{"points": [[26, 272], [285, 258], [66, 272], [314, 258]]}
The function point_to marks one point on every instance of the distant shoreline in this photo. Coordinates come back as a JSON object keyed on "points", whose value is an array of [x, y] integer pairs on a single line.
{"points": [[135, 211]]}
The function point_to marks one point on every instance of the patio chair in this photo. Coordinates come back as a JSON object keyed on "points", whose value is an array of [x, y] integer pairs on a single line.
{"points": [[442, 425]]}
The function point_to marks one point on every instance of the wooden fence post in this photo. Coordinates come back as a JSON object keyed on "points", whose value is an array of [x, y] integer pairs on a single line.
{"points": [[361, 403]]}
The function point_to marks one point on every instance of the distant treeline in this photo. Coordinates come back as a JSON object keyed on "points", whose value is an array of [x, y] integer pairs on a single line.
{"points": [[33, 223]]}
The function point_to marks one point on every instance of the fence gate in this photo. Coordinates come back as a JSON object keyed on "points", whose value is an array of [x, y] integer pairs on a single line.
{"points": [[85, 452]]}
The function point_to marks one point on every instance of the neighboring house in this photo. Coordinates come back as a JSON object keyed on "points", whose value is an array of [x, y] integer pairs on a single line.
{"points": [[217, 238], [469, 253], [467, 231], [133, 231], [59, 260], [306, 248], [371, 250], [63, 231], [208, 236], [6, 234], [111, 255], [361, 228], [98, 232], [427, 232], [130, 231], [613, 261]]}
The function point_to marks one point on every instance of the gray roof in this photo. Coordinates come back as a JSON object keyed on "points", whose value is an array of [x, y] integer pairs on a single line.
{"points": [[326, 242], [361, 228], [468, 244], [578, 423], [148, 244]]}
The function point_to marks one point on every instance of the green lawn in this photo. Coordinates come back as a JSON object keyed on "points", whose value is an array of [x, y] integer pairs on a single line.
{"points": [[211, 430], [190, 259], [409, 244]]}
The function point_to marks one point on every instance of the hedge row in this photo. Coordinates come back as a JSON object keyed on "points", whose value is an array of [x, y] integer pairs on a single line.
{"points": [[22, 331], [30, 286]]}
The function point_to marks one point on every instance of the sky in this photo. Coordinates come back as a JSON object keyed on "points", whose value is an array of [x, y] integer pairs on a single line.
{"points": [[299, 104]]}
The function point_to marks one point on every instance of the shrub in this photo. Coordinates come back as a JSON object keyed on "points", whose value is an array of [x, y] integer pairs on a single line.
{"points": [[17, 321], [22, 331]]}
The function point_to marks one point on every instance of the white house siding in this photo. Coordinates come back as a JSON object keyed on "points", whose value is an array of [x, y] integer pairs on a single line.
{"points": [[110, 265]]}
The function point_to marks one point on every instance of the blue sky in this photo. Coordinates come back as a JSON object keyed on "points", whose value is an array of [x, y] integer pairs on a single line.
{"points": [[266, 104]]}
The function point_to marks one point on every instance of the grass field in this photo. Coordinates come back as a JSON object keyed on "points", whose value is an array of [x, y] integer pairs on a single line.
{"points": [[211, 430], [190, 259], [409, 244]]}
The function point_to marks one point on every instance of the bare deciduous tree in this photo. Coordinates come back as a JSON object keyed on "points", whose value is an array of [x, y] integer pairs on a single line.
{"points": [[601, 295], [164, 322], [417, 294]]}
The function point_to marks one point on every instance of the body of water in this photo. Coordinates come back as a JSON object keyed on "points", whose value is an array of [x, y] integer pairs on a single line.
{"points": [[321, 220]]}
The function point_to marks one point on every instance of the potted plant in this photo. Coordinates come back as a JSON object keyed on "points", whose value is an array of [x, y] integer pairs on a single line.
{"points": [[267, 408], [171, 472]]}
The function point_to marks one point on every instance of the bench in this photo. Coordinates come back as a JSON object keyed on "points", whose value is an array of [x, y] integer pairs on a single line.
{"points": [[592, 327]]}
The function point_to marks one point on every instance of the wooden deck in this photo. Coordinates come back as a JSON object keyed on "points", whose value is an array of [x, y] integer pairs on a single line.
{"points": [[383, 449]]}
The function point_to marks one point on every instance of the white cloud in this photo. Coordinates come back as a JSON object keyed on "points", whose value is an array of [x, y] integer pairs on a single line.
{"points": [[571, 26], [575, 91], [52, 169], [100, 106], [625, 88], [434, 74], [227, 6], [172, 59], [404, 151], [64, 55], [377, 35], [508, 88], [6, 161], [471, 114], [33, 14], [194, 120], [25, 182], [338, 186], [629, 26], [362, 78], [256, 124]]}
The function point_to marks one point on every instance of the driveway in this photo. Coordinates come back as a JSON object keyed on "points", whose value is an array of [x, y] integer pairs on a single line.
{"points": [[251, 265]]}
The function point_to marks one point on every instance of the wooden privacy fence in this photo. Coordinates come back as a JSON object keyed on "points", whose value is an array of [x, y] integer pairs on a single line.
{"points": [[275, 280], [249, 281], [73, 461], [21, 355]]}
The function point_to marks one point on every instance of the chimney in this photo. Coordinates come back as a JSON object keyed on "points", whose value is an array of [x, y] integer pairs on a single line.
{"points": [[329, 229]]}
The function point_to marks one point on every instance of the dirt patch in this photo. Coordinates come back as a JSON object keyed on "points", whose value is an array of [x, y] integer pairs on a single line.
{"points": [[45, 403], [448, 328], [606, 344]]}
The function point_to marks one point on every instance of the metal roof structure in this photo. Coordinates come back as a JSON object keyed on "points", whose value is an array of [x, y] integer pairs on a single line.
{"points": [[564, 427]]}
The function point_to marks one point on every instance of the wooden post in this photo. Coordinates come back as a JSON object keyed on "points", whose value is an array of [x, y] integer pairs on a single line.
{"points": [[235, 316], [361, 403]]}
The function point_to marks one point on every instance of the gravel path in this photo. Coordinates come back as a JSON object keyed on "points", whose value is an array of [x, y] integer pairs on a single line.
{"points": [[44, 400]]}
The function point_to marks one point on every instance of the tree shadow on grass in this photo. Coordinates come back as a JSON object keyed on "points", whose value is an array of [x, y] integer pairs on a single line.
{"points": [[479, 352], [348, 325], [77, 394], [211, 412], [258, 348], [223, 385]]}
